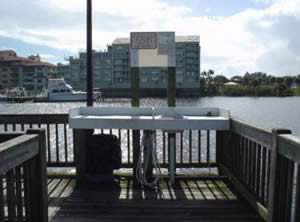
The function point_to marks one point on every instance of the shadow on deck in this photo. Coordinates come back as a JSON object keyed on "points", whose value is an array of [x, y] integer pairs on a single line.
{"points": [[187, 200]]}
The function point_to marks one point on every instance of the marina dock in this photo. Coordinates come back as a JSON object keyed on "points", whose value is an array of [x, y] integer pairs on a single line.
{"points": [[248, 174], [187, 200], [211, 167]]}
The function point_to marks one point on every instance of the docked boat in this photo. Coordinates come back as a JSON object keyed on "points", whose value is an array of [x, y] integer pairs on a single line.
{"points": [[59, 90]]}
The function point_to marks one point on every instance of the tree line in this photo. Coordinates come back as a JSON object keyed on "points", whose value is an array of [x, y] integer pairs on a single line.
{"points": [[250, 84]]}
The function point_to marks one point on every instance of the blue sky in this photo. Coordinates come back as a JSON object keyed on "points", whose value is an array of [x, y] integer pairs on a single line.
{"points": [[221, 7], [24, 49], [236, 36]]}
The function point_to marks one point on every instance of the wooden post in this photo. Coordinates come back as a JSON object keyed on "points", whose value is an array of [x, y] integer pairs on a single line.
{"points": [[89, 72], [148, 148], [297, 204], [219, 150], [89, 52], [171, 87], [135, 102], [171, 93], [274, 176], [80, 138], [135, 87], [172, 156], [11, 195], [38, 180]]}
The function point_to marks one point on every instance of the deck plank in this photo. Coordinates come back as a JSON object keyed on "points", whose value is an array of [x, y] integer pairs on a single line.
{"points": [[189, 200]]}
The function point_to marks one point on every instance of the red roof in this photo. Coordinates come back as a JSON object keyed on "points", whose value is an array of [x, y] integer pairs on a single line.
{"points": [[11, 56]]}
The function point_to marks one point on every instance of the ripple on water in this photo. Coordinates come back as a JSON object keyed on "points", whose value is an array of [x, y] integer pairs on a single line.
{"points": [[266, 112]]}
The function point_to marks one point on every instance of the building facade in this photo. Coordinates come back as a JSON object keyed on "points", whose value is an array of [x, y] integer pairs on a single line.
{"points": [[30, 73], [112, 67]]}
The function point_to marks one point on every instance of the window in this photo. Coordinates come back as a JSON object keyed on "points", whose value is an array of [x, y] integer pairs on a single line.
{"points": [[40, 74]]}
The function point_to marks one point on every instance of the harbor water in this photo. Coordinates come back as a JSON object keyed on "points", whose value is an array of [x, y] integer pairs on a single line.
{"points": [[267, 113]]}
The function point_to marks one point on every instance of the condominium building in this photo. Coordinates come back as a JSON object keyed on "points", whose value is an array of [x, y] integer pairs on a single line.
{"points": [[111, 68], [187, 65], [63, 70], [30, 73]]}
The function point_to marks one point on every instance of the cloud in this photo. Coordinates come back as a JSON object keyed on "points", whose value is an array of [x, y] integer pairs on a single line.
{"points": [[266, 2], [276, 32], [48, 56], [252, 40]]}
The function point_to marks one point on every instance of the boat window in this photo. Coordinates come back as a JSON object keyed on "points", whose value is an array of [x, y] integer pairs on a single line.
{"points": [[55, 91], [67, 90], [62, 90]]}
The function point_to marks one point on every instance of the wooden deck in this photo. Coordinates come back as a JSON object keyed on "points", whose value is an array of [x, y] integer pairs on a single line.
{"points": [[188, 200]]}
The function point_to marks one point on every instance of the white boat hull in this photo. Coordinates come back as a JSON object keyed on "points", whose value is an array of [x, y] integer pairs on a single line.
{"points": [[72, 97], [59, 90]]}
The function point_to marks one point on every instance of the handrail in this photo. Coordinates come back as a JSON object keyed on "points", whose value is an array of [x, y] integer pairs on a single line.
{"points": [[289, 147], [193, 148], [257, 134], [261, 164], [16, 151], [23, 166], [58, 136], [44, 118]]}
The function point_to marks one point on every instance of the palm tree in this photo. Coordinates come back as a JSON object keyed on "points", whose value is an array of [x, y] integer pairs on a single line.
{"points": [[210, 73]]}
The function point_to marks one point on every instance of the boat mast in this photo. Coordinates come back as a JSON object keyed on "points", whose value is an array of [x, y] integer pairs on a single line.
{"points": [[89, 51]]}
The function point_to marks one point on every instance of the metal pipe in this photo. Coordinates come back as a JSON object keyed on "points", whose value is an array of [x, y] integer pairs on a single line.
{"points": [[89, 50]]}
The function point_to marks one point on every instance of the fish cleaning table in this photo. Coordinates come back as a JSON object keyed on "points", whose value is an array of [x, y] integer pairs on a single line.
{"points": [[168, 119], [149, 118]]}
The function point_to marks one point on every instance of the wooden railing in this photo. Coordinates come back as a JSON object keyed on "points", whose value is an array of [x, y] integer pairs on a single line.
{"points": [[23, 181], [262, 165], [194, 148], [59, 138]]}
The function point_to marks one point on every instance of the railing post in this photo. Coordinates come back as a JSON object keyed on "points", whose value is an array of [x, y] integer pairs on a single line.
{"points": [[222, 138], [218, 149], [38, 180], [274, 187], [149, 137], [135, 102], [171, 93], [297, 204], [80, 138]]}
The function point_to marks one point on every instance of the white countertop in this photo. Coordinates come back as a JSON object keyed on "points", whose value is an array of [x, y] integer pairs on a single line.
{"points": [[148, 118]]}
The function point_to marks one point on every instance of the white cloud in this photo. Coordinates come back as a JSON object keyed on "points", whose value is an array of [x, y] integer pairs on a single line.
{"points": [[264, 1], [252, 40], [47, 56]]}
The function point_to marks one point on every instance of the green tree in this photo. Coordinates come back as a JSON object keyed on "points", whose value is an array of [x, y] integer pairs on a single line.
{"points": [[237, 79], [210, 74], [219, 80], [281, 89]]}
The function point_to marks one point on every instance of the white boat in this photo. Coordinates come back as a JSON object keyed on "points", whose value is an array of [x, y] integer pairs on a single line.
{"points": [[59, 90]]}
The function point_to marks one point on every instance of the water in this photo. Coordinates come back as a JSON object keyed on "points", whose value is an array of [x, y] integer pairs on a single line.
{"points": [[270, 112]]}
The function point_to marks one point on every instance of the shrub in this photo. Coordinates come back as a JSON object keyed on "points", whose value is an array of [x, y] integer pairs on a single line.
{"points": [[235, 91], [296, 91], [264, 90], [282, 89]]}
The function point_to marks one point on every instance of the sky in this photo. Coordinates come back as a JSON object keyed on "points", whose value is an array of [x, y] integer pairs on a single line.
{"points": [[236, 36]]}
